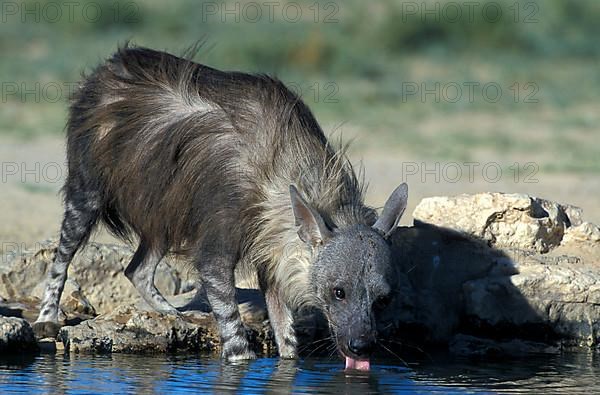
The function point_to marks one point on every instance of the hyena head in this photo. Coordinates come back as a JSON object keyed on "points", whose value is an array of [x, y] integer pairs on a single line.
{"points": [[353, 276]]}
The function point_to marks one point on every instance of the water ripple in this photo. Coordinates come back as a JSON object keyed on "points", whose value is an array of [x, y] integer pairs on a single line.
{"points": [[127, 374]]}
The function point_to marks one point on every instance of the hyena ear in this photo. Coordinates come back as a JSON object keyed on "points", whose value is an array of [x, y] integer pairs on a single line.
{"points": [[313, 230], [392, 211]]}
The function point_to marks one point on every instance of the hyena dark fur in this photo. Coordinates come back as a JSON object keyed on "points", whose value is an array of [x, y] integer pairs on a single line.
{"points": [[229, 170]]}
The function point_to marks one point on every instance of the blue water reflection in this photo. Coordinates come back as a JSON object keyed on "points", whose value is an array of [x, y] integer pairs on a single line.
{"points": [[127, 374]]}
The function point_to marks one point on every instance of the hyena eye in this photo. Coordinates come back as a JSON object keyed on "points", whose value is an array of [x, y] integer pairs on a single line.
{"points": [[339, 293]]}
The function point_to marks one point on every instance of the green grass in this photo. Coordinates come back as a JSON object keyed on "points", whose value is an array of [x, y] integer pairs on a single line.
{"points": [[353, 73], [38, 188]]}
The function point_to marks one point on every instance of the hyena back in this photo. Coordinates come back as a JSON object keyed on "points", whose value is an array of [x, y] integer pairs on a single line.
{"points": [[228, 170]]}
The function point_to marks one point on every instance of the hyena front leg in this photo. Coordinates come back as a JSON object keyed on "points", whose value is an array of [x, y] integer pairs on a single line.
{"points": [[282, 322], [81, 215], [217, 273]]}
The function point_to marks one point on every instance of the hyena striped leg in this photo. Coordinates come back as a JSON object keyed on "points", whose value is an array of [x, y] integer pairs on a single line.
{"points": [[79, 219], [282, 322], [219, 283], [140, 272]]}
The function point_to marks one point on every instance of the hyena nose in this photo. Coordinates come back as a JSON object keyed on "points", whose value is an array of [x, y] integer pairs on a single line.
{"points": [[360, 346]]}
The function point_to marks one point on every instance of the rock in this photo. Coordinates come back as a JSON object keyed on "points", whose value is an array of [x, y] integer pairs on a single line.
{"points": [[575, 214], [75, 301], [503, 220], [21, 308], [562, 300], [16, 335], [585, 233], [461, 284], [132, 331], [96, 282], [500, 266], [129, 330]]}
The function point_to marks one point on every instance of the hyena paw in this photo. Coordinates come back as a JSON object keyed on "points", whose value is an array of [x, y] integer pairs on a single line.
{"points": [[288, 354], [45, 329], [243, 356], [287, 346]]}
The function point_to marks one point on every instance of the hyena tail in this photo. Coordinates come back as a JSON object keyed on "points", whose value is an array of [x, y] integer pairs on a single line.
{"points": [[82, 210]]}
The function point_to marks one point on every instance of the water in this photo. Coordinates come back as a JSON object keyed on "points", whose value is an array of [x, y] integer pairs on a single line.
{"points": [[125, 374]]}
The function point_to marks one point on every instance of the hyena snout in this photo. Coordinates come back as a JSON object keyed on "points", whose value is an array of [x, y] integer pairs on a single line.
{"points": [[361, 347], [359, 341]]}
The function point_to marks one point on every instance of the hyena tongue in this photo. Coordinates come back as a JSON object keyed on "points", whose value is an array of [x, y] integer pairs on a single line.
{"points": [[357, 364]]}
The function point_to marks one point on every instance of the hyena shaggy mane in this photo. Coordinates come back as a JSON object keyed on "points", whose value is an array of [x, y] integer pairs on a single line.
{"points": [[228, 170]]}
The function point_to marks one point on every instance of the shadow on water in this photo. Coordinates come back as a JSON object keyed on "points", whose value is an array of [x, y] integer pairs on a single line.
{"points": [[565, 373]]}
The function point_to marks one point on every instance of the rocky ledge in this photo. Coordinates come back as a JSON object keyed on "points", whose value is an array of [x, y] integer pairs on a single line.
{"points": [[480, 274]]}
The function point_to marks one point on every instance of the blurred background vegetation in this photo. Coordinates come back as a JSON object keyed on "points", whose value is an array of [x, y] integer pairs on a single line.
{"points": [[354, 62], [425, 83]]}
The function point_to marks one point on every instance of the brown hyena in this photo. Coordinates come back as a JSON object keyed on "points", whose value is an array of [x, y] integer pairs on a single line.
{"points": [[228, 170]]}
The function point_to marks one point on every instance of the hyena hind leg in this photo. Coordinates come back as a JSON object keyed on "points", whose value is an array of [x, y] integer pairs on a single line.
{"points": [[140, 272], [80, 217]]}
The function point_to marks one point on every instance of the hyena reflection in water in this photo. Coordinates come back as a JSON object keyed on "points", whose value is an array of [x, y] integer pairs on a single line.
{"points": [[225, 169]]}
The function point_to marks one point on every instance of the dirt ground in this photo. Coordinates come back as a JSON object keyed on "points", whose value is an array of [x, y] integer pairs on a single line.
{"points": [[32, 173]]}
